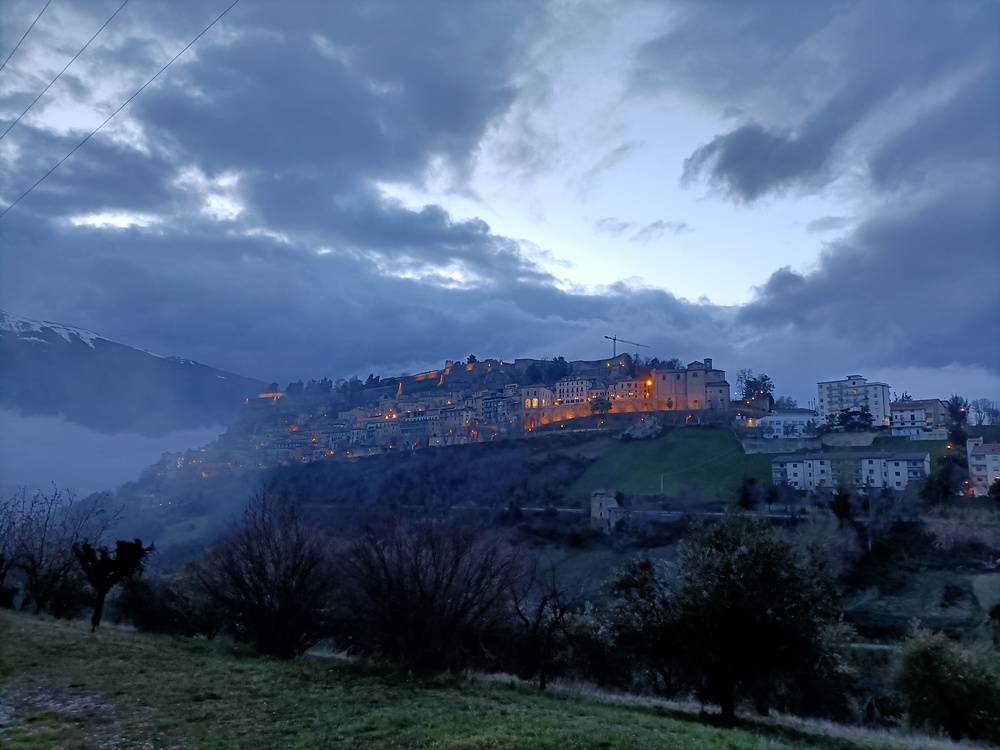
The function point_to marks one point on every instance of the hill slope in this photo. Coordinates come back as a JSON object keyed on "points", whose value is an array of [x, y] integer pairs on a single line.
{"points": [[60, 686]]}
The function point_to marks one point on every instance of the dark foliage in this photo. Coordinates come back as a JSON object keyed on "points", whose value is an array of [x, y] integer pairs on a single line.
{"points": [[104, 570], [751, 612], [429, 596], [946, 688], [274, 578], [177, 605], [543, 603]]}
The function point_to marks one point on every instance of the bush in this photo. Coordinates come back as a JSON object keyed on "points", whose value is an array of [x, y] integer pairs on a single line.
{"points": [[430, 596], [177, 605], [274, 579], [944, 687]]}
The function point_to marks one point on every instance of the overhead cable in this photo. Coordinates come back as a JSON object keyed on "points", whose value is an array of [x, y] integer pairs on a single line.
{"points": [[62, 71], [25, 34], [125, 104]]}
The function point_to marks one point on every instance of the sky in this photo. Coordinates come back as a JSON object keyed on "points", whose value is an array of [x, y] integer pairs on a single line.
{"points": [[312, 189]]}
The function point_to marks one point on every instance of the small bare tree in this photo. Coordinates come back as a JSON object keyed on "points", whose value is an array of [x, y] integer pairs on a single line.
{"points": [[431, 596], [543, 602], [274, 576], [48, 524]]}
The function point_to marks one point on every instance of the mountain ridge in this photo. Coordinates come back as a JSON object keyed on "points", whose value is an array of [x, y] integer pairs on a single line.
{"points": [[49, 368]]}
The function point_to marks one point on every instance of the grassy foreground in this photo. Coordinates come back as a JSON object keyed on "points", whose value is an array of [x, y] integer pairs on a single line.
{"points": [[62, 687]]}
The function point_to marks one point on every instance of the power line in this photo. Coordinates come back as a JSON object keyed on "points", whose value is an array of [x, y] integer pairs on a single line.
{"points": [[63, 70], [111, 116], [25, 34]]}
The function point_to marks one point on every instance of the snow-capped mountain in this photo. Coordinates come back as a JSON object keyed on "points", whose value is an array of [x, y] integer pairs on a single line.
{"points": [[50, 368]]}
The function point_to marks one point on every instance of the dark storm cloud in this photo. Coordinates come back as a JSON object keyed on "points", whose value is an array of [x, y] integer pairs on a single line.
{"points": [[807, 77], [908, 287], [901, 100], [310, 106]]}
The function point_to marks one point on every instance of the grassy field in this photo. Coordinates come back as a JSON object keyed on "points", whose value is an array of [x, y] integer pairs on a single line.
{"points": [[698, 462], [62, 687]]}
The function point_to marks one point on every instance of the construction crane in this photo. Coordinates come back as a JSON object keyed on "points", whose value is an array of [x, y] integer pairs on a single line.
{"points": [[614, 344]]}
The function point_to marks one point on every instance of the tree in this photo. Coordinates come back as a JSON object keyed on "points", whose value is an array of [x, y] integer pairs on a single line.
{"points": [[785, 402], [274, 576], [749, 494], [790, 430], [944, 686], [958, 417], [429, 596], [742, 377], [600, 405], [642, 618], [471, 359], [49, 525], [981, 410], [543, 602], [994, 491], [104, 571], [752, 611]]}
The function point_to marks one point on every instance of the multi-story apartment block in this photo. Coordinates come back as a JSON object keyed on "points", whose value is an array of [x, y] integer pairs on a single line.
{"points": [[862, 469], [790, 423], [573, 389], [852, 393], [984, 465], [914, 418]]}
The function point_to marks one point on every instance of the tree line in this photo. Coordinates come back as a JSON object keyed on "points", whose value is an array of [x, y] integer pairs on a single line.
{"points": [[746, 615]]}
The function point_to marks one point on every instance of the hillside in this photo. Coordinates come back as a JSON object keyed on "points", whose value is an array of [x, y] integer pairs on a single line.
{"points": [[50, 368], [61, 687]]}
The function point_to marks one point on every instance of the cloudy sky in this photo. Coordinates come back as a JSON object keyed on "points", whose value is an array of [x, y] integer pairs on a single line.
{"points": [[326, 189]]}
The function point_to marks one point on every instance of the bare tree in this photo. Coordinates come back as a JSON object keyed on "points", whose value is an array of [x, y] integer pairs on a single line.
{"points": [[543, 600], [48, 524], [431, 596], [10, 516], [274, 576]]}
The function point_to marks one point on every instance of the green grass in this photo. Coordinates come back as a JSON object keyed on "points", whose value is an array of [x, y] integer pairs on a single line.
{"points": [[700, 462], [63, 687]]}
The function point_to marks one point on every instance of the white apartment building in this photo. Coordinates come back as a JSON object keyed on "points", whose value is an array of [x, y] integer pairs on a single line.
{"points": [[984, 465], [915, 418], [853, 392], [790, 423], [861, 469]]}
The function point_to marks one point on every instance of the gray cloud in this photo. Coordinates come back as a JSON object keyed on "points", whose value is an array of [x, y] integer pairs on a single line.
{"points": [[828, 224], [313, 105]]}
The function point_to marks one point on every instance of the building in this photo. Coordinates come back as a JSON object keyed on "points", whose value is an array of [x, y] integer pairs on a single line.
{"points": [[914, 419], [790, 423], [853, 392], [850, 469], [984, 465], [573, 389], [698, 386]]}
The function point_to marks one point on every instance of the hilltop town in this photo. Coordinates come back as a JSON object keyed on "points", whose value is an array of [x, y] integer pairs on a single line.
{"points": [[481, 401]]}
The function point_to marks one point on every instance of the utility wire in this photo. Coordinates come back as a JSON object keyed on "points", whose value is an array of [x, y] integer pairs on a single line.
{"points": [[25, 34], [111, 116], [3, 135]]}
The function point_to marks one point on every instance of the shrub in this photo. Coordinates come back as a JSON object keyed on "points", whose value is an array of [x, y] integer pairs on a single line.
{"points": [[274, 578], [945, 687], [430, 596]]}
